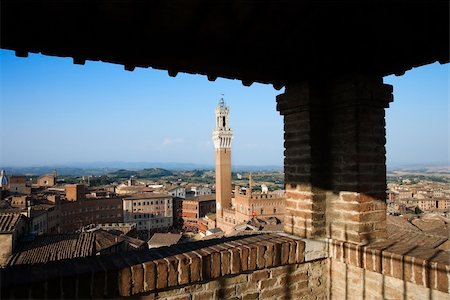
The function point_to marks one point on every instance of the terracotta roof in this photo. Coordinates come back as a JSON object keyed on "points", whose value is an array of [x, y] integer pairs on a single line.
{"points": [[395, 224], [105, 240], [164, 239], [433, 226], [406, 240], [8, 221], [54, 247]]}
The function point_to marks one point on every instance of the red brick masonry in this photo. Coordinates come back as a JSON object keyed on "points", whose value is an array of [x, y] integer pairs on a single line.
{"points": [[152, 270], [259, 266], [424, 266]]}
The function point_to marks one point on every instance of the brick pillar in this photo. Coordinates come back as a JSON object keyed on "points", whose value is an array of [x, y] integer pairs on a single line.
{"points": [[335, 171]]}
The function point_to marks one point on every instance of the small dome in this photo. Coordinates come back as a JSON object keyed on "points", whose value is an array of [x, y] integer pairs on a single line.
{"points": [[3, 179]]}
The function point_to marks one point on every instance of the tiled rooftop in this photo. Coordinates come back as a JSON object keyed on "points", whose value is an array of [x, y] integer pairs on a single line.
{"points": [[164, 239], [8, 221], [54, 247]]}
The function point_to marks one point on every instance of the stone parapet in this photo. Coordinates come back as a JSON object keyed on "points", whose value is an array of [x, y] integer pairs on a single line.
{"points": [[426, 267], [158, 271], [265, 266]]}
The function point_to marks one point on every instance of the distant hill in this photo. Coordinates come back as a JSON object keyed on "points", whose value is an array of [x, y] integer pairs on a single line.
{"points": [[101, 168], [145, 173], [436, 169]]}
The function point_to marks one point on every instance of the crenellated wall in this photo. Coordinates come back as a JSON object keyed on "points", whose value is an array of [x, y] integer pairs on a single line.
{"points": [[265, 266], [246, 267]]}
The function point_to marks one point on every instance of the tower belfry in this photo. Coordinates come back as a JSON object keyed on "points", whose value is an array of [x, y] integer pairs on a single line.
{"points": [[222, 137]]}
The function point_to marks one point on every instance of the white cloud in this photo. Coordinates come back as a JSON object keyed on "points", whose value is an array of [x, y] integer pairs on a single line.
{"points": [[172, 141]]}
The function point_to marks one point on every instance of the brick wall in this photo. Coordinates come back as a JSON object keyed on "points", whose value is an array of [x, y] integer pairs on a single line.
{"points": [[268, 266], [351, 282], [265, 266], [335, 173], [75, 192], [390, 267], [297, 281]]}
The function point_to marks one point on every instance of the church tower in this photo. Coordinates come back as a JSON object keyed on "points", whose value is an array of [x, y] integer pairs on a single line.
{"points": [[222, 136]]}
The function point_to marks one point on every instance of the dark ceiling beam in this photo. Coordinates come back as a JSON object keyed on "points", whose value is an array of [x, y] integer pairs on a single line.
{"points": [[275, 42]]}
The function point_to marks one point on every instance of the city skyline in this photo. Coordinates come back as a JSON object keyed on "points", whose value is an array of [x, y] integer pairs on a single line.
{"points": [[97, 113]]}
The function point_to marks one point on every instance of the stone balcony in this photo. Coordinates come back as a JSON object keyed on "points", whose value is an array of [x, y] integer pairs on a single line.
{"points": [[262, 266]]}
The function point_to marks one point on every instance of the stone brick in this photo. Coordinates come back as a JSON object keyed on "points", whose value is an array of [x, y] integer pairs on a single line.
{"points": [[247, 287], [258, 275], [275, 272], [172, 264], [181, 297], [252, 258], [138, 279], [260, 261], [300, 251], [277, 252], [235, 279], [206, 295], [235, 261], [268, 255], [149, 276], [386, 263], [169, 294], [195, 268], [215, 265], [244, 252], [268, 293], [397, 266], [226, 292], [438, 277], [225, 259], [267, 283], [192, 288], [183, 269], [162, 270], [253, 296], [125, 282]]}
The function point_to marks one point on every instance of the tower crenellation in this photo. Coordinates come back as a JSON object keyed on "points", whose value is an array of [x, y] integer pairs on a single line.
{"points": [[222, 134]]}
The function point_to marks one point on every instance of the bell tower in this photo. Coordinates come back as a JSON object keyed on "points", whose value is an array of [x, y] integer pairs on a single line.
{"points": [[222, 136]]}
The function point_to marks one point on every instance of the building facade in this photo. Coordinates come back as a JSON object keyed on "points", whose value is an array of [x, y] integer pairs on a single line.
{"points": [[18, 184], [76, 214], [75, 192], [249, 204], [177, 191], [150, 211], [188, 212]]}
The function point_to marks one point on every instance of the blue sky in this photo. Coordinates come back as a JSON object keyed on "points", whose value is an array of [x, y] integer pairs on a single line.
{"points": [[55, 112]]}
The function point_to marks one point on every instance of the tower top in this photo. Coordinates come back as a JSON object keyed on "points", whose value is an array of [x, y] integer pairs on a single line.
{"points": [[222, 134]]}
